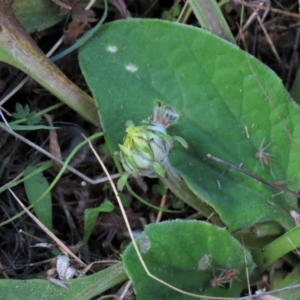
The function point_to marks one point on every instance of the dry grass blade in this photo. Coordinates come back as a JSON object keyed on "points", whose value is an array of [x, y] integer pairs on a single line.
{"points": [[269, 40]]}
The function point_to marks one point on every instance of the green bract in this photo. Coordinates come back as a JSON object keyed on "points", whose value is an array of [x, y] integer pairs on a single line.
{"points": [[146, 147]]}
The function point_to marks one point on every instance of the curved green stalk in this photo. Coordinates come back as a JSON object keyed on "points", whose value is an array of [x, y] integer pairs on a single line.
{"points": [[281, 246]]}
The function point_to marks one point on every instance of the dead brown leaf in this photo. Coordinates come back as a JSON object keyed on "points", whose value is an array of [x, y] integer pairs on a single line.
{"points": [[74, 31], [81, 15]]}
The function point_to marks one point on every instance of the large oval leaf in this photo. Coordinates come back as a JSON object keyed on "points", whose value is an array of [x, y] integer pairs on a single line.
{"points": [[228, 101], [189, 255]]}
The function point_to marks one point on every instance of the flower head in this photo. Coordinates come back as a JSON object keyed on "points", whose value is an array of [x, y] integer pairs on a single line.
{"points": [[146, 147]]}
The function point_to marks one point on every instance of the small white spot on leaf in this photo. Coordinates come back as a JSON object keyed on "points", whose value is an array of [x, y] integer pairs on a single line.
{"points": [[112, 49], [145, 243], [131, 68], [204, 262]]}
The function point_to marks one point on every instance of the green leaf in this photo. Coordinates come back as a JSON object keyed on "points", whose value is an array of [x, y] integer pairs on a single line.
{"points": [[36, 15], [31, 127], [38, 170], [91, 216], [290, 280], [211, 251], [83, 288], [24, 113], [159, 189], [122, 181], [171, 16], [126, 201], [228, 104], [21, 112], [33, 119], [35, 186]]}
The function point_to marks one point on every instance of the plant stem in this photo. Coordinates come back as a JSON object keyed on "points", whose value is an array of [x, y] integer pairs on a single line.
{"points": [[278, 248], [17, 48]]}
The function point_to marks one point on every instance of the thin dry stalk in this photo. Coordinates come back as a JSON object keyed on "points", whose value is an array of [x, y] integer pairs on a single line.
{"points": [[271, 44], [274, 10]]}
